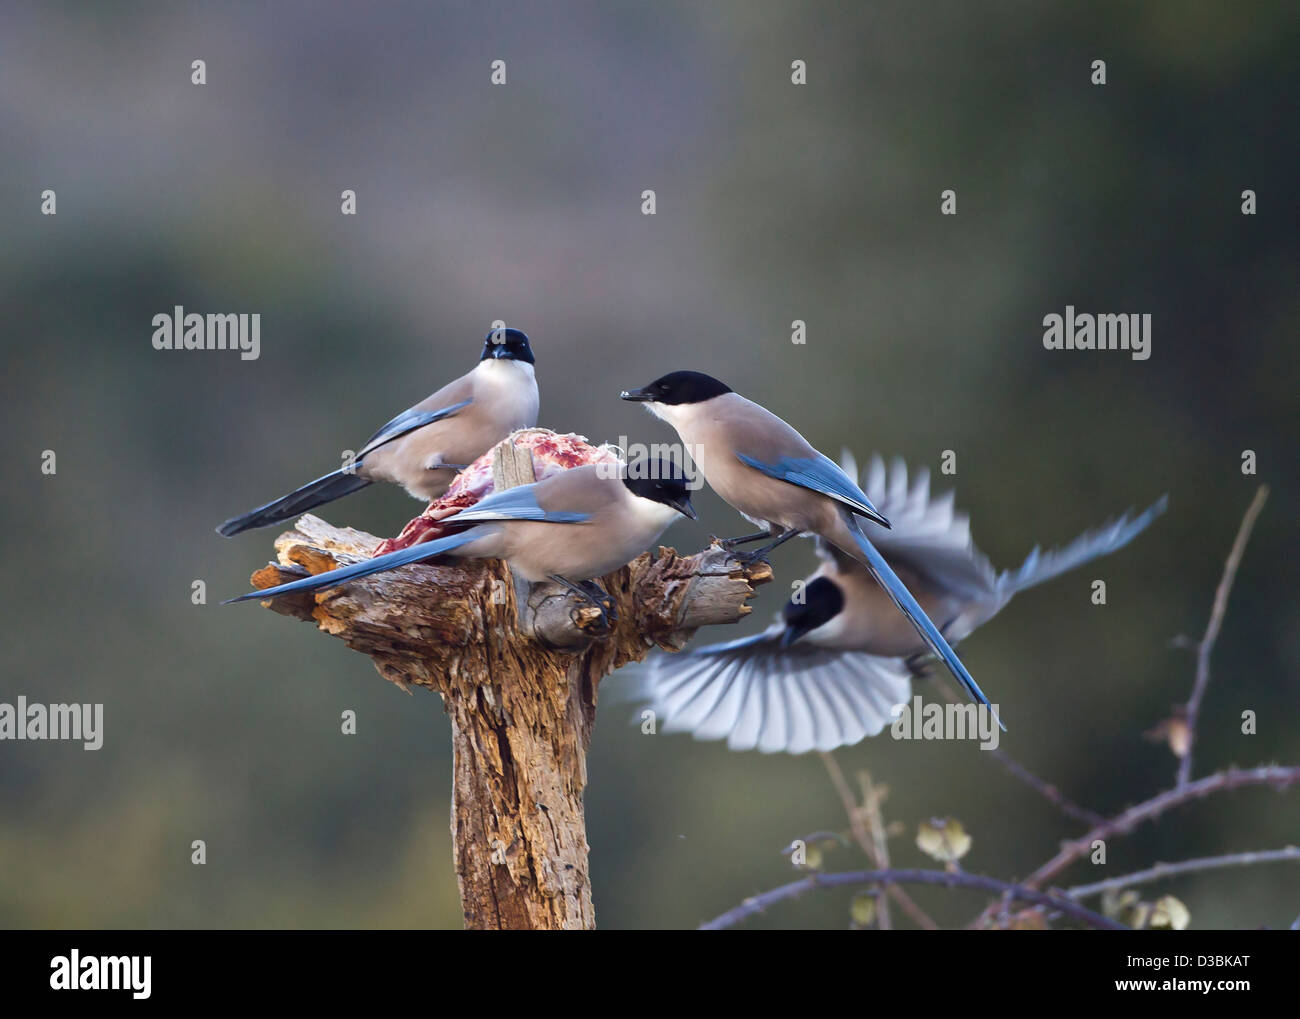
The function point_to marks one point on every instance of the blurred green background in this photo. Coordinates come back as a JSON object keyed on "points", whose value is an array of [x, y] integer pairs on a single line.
{"points": [[522, 203]]}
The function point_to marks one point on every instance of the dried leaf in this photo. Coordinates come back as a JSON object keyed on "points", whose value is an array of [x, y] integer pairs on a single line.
{"points": [[862, 909], [1169, 914], [1117, 902], [809, 852], [812, 858], [1025, 920], [943, 839], [1173, 732]]}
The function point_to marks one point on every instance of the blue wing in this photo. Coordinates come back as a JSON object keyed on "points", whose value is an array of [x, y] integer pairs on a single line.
{"points": [[516, 504], [1115, 534], [408, 421], [380, 564], [823, 475], [731, 645], [512, 504]]}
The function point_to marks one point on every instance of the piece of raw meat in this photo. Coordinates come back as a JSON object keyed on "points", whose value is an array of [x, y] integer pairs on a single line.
{"points": [[551, 453]]}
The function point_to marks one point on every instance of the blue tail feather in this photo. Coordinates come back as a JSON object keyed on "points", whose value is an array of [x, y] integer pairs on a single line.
{"points": [[902, 597], [332, 486], [380, 564]]}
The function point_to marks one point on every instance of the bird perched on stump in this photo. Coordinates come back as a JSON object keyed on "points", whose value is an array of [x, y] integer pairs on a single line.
{"points": [[570, 528], [424, 446]]}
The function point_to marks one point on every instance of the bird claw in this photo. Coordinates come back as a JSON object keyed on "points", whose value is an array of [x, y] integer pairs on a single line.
{"points": [[602, 603], [919, 666], [580, 616]]}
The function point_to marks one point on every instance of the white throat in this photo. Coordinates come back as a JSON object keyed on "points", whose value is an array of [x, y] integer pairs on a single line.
{"points": [[506, 370], [677, 415], [654, 514], [828, 634]]}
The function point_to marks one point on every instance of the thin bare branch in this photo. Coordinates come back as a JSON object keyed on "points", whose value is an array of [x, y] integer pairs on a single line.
{"points": [[860, 833], [873, 797], [868, 844], [1234, 778], [1206, 645], [1161, 871], [1044, 788], [979, 882]]}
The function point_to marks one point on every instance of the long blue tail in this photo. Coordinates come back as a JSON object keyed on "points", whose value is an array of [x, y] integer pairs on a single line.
{"points": [[866, 553], [332, 486], [391, 561]]}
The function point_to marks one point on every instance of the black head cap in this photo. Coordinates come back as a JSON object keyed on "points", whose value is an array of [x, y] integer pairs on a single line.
{"points": [[822, 601], [659, 479], [678, 388], [511, 344]]}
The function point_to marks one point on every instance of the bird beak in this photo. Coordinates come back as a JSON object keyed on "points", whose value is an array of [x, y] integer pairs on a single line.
{"points": [[636, 396], [498, 351], [684, 507], [791, 634]]}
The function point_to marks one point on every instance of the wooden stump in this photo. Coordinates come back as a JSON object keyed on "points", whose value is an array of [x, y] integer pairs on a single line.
{"points": [[518, 670]]}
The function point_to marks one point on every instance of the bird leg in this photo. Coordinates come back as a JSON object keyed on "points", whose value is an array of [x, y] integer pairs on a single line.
{"points": [[919, 665], [591, 593], [744, 539], [605, 600], [761, 553]]}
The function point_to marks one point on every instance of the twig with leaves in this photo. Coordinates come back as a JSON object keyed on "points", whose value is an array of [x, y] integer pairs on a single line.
{"points": [[949, 879], [872, 838]]}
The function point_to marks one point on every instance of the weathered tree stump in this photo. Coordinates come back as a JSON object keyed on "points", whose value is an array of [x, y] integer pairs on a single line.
{"points": [[518, 671]]}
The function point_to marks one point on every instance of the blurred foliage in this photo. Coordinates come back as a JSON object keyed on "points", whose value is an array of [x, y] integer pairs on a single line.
{"points": [[944, 839], [522, 203], [1165, 913]]}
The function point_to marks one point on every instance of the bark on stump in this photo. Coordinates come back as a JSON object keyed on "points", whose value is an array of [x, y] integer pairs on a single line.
{"points": [[518, 671]]}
